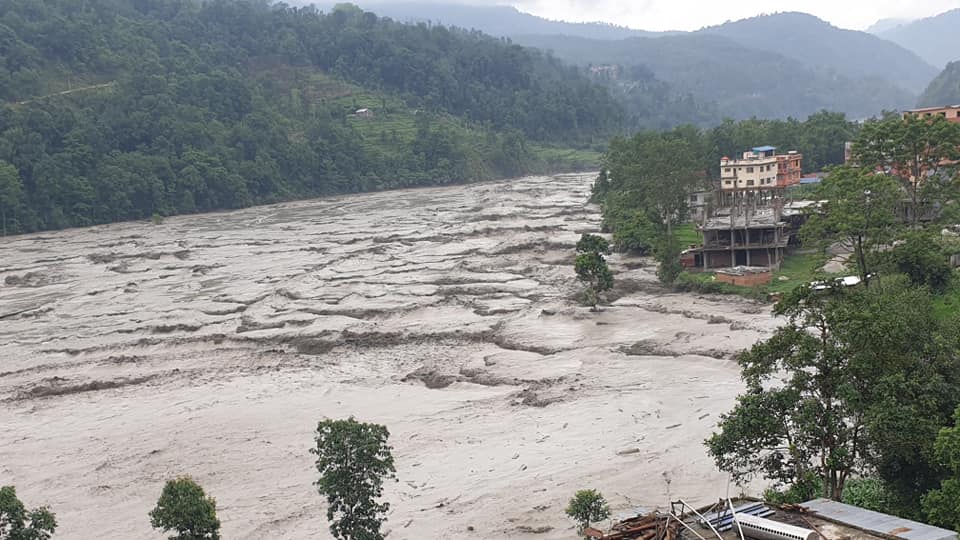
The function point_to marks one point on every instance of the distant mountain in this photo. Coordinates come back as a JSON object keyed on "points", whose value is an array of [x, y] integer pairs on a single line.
{"points": [[787, 64], [944, 90], [884, 25], [936, 39], [504, 21], [742, 81], [852, 54]]}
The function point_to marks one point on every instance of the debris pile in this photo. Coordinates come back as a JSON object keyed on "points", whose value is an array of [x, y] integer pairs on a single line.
{"points": [[649, 527]]}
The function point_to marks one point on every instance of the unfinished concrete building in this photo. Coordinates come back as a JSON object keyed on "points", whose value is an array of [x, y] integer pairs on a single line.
{"points": [[757, 238]]}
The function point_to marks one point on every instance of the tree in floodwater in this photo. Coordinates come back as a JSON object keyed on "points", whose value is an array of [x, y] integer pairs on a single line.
{"points": [[185, 509], [587, 506], [17, 523], [591, 267], [353, 460]]}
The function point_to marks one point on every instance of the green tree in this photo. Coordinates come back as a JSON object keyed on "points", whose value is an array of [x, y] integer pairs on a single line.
{"points": [[921, 152], [818, 400], [185, 509], [587, 506], [921, 258], [942, 506], [11, 193], [591, 267], [17, 523], [353, 460], [655, 174], [858, 212]]}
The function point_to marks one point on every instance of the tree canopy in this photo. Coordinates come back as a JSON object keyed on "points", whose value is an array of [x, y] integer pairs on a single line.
{"points": [[183, 508], [18, 523], [353, 460]]}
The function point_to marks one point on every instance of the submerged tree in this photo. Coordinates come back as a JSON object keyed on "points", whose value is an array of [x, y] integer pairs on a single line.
{"points": [[591, 267], [18, 523], [353, 460], [183, 508], [587, 506]]}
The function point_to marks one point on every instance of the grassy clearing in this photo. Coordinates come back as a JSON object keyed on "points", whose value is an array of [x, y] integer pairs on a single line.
{"points": [[687, 235], [948, 304], [798, 267], [567, 159]]}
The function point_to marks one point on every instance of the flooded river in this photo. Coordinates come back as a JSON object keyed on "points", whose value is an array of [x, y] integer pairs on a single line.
{"points": [[211, 345]]}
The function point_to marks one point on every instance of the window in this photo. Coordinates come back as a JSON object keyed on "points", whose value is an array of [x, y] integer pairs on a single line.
{"points": [[749, 169], [693, 199], [749, 182], [728, 168]]}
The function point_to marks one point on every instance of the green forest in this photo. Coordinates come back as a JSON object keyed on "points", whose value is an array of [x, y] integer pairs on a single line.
{"points": [[125, 109]]}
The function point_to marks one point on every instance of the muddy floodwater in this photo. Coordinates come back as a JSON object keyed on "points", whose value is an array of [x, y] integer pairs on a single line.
{"points": [[211, 345]]}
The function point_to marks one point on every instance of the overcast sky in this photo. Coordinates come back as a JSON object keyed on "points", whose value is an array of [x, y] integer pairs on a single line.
{"points": [[694, 14]]}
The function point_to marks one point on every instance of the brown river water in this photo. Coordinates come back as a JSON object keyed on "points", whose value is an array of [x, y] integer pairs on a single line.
{"points": [[211, 345]]}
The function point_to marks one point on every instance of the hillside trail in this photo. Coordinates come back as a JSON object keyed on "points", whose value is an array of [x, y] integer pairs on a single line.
{"points": [[67, 92]]}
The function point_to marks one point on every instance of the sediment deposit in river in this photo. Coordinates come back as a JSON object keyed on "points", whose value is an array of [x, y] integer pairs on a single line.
{"points": [[211, 345]]}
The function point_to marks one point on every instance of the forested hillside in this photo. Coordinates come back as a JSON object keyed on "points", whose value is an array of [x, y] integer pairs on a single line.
{"points": [[501, 20], [121, 109], [944, 90], [814, 42], [740, 81]]}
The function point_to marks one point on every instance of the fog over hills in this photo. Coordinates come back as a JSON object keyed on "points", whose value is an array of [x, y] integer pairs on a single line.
{"points": [[785, 64], [936, 39]]}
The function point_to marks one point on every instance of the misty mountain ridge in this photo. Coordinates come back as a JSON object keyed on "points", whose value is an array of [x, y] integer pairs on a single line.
{"points": [[809, 64], [944, 90], [936, 38], [496, 20]]}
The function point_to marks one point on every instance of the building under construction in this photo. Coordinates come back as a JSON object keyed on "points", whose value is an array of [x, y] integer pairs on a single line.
{"points": [[750, 223]]}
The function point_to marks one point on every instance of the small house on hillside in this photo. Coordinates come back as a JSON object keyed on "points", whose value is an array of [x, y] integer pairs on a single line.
{"points": [[363, 113]]}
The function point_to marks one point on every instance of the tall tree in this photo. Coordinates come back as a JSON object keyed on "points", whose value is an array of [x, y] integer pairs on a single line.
{"points": [[17, 523], [656, 173], [353, 460], [185, 509], [818, 400], [591, 267], [858, 212], [921, 152], [11, 193]]}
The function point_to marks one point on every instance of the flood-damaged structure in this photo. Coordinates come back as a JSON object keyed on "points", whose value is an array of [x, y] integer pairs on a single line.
{"points": [[819, 519], [750, 223]]}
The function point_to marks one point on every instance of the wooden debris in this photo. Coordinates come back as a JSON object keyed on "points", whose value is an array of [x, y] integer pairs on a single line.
{"points": [[649, 527]]}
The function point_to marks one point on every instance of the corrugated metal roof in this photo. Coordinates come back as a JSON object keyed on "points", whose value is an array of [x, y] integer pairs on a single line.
{"points": [[876, 522], [764, 148]]}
